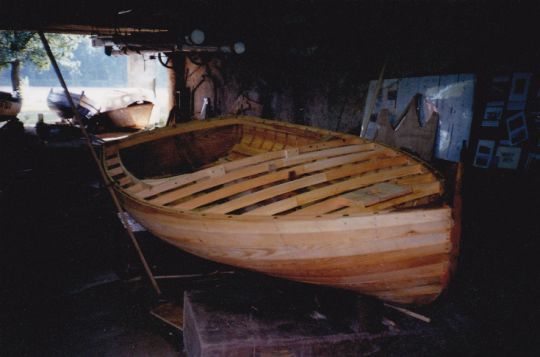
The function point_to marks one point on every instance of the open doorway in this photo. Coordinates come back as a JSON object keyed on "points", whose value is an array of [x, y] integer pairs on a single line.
{"points": [[108, 82]]}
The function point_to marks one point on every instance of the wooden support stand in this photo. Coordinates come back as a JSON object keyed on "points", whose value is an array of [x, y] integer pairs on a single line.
{"points": [[251, 323]]}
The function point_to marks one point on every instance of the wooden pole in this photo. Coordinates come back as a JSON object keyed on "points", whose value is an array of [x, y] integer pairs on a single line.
{"points": [[409, 313], [371, 106], [96, 160]]}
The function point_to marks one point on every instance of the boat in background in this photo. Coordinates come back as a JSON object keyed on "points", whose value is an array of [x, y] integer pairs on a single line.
{"points": [[58, 102], [291, 201], [10, 105], [130, 110]]}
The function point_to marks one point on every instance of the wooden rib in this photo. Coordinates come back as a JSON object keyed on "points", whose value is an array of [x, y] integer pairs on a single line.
{"points": [[116, 171], [291, 129], [181, 192], [416, 179], [247, 134], [208, 183], [329, 175], [124, 180], [257, 140], [247, 150], [336, 203], [208, 172], [238, 164], [325, 206], [419, 191], [335, 189], [110, 151], [279, 176], [268, 142], [122, 176], [137, 186], [111, 162]]}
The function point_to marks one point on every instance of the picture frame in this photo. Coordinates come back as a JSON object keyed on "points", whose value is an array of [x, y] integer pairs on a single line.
{"points": [[484, 153], [517, 128], [520, 87], [492, 116], [508, 157]]}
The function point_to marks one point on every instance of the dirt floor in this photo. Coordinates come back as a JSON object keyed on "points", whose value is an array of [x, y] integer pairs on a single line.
{"points": [[71, 283]]}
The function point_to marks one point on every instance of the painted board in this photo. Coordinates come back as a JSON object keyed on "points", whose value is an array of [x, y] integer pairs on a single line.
{"points": [[451, 96]]}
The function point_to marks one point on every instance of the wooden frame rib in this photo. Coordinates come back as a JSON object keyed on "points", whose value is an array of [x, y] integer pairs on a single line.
{"points": [[287, 154], [335, 189], [418, 191], [280, 175], [291, 157], [323, 177]]}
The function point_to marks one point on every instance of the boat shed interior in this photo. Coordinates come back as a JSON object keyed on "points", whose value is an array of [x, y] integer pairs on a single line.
{"points": [[81, 276]]}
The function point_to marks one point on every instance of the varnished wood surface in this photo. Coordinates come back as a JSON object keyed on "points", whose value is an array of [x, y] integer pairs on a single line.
{"points": [[136, 116], [303, 204]]}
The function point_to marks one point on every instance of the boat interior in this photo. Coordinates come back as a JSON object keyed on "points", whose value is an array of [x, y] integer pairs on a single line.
{"points": [[259, 167]]}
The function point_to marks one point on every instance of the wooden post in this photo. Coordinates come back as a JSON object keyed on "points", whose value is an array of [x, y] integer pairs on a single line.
{"points": [[96, 160], [371, 106], [181, 91]]}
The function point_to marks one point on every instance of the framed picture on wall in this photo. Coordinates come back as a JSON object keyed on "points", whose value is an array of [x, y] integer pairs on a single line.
{"points": [[492, 116], [520, 87], [484, 153], [517, 128], [533, 162], [508, 157], [516, 106]]}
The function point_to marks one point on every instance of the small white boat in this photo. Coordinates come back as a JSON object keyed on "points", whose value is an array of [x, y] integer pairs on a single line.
{"points": [[58, 102]]}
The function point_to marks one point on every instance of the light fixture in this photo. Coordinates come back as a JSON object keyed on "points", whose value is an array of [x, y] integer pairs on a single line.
{"points": [[124, 12], [196, 37], [239, 48]]}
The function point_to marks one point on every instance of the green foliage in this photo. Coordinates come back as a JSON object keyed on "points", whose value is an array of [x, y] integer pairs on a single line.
{"points": [[24, 47]]}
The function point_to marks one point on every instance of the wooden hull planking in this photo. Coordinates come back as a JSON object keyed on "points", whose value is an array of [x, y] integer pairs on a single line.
{"points": [[318, 208], [135, 116]]}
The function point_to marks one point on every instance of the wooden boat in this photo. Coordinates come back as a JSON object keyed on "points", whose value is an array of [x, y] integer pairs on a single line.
{"points": [[10, 105], [290, 201], [134, 116], [128, 110], [58, 102]]}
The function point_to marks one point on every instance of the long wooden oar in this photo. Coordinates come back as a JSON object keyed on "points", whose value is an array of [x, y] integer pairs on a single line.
{"points": [[88, 141]]}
